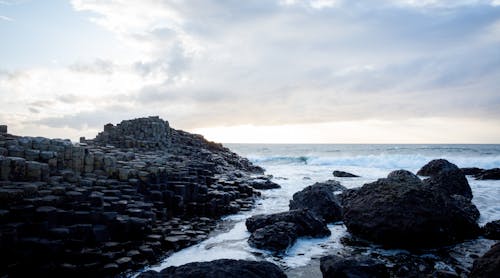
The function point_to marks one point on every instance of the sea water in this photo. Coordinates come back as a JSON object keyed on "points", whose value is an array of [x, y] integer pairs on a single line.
{"points": [[297, 166]]}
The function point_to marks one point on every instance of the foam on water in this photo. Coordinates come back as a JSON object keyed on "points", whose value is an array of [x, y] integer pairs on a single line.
{"points": [[297, 166]]}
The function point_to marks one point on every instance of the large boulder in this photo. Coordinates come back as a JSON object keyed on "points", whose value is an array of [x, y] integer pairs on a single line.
{"points": [[335, 266], [487, 266], [400, 211], [447, 177], [320, 199], [275, 237], [306, 223], [220, 269], [280, 230]]}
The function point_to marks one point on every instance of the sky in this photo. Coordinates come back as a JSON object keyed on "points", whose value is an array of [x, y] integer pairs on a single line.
{"points": [[255, 71]]}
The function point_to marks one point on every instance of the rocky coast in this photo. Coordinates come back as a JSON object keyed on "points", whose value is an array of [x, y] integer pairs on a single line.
{"points": [[141, 190], [106, 206]]}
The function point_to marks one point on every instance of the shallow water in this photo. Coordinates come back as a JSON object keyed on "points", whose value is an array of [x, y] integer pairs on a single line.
{"points": [[297, 166]]}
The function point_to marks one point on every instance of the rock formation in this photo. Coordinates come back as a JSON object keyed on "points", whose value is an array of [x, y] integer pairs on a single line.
{"points": [[402, 211], [447, 177], [320, 199], [220, 268], [335, 266], [113, 203], [342, 174], [280, 230], [487, 266]]}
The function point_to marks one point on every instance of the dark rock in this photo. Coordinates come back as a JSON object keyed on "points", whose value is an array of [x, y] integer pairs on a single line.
{"points": [[342, 174], [492, 230], [400, 211], [306, 223], [471, 171], [263, 184], [488, 266], [334, 266], [490, 174], [320, 199], [275, 237], [220, 269], [447, 177]]}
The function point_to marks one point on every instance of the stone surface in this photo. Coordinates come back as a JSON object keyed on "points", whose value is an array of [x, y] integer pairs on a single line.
{"points": [[401, 211], [276, 237], [335, 266], [280, 230], [447, 177], [342, 174], [306, 223], [320, 199], [490, 174], [471, 171], [492, 230], [487, 266], [221, 268], [263, 184]]}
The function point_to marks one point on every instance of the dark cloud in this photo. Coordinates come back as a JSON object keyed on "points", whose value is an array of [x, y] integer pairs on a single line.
{"points": [[34, 110]]}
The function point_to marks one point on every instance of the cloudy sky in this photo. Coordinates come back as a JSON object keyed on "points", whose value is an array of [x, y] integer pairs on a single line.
{"points": [[297, 71]]}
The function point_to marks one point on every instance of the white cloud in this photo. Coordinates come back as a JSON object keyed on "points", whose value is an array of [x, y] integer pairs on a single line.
{"points": [[210, 63], [6, 18]]}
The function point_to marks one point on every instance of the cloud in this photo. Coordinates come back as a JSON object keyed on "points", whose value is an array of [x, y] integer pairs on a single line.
{"points": [[6, 18], [209, 63], [99, 66]]}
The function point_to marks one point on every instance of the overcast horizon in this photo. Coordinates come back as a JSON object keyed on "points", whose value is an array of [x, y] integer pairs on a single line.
{"points": [[267, 71]]}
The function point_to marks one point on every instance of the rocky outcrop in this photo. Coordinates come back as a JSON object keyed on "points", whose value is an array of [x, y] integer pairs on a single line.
{"points": [[342, 174], [402, 211], [335, 266], [320, 199], [287, 226], [482, 174], [471, 171], [263, 184], [114, 203], [492, 230], [490, 174], [447, 177], [487, 266], [275, 237], [220, 268]]}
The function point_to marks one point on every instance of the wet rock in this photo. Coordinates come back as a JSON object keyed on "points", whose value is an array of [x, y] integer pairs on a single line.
{"points": [[490, 174], [306, 223], [320, 199], [447, 177], [276, 237], [342, 174], [487, 266], [492, 230], [335, 266], [263, 184], [471, 171], [221, 268], [400, 211]]}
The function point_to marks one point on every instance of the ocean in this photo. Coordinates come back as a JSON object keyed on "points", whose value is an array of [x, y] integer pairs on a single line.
{"points": [[295, 166]]}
